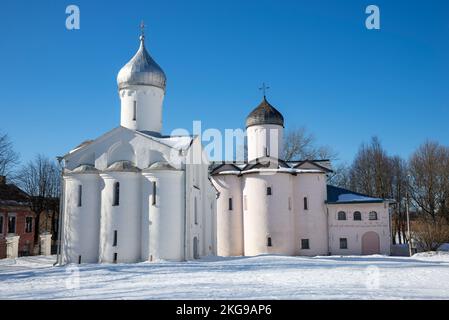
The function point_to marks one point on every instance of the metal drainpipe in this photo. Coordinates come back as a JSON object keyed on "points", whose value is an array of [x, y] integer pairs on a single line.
{"points": [[185, 213], [61, 214]]}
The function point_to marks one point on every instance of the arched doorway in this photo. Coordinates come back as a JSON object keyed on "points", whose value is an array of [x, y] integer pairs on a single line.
{"points": [[370, 243], [195, 248]]}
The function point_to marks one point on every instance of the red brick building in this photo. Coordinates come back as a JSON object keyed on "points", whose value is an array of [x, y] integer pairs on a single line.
{"points": [[16, 218]]}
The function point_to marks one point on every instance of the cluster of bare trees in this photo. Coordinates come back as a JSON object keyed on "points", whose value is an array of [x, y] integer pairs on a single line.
{"points": [[39, 178], [421, 182]]}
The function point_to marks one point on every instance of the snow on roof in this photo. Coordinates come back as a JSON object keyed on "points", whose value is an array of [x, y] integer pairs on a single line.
{"points": [[176, 142], [340, 195]]}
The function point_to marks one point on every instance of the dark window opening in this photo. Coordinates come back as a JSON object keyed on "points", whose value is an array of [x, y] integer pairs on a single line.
{"points": [[115, 257], [28, 224], [195, 210], [357, 216], [135, 111], [1, 224], [305, 244], [269, 191], [114, 243], [373, 215], [269, 244], [230, 204], [341, 215], [116, 200], [79, 259], [343, 243], [154, 193], [11, 224], [80, 195], [306, 204]]}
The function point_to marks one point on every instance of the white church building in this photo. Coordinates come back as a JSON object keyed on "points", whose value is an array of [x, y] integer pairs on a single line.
{"points": [[270, 206], [134, 194]]}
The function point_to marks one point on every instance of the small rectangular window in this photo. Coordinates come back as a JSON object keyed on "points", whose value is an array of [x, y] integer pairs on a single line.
{"points": [[28, 224], [269, 244], [114, 243], [289, 203], [80, 195], [195, 210], [115, 257], [79, 259], [306, 204], [1, 224], [135, 111], [305, 244], [269, 191], [154, 194], [11, 224], [343, 243], [230, 204]]}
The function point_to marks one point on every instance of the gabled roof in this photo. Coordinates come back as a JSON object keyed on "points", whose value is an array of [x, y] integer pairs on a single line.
{"points": [[10, 194], [266, 162], [174, 142], [337, 195], [322, 164]]}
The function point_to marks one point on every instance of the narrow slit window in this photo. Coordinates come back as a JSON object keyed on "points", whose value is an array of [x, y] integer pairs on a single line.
{"points": [[195, 209], [79, 259], [289, 203], [269, 244], [135, 111], [306, 204], [153, 200], [269, 191], [80, 195], [1, 224], [116, 200], [114, 244], [115, 257], [230, 204]]}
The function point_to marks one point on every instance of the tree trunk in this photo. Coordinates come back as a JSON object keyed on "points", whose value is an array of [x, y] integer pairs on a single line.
{"points": [[37, 228]]}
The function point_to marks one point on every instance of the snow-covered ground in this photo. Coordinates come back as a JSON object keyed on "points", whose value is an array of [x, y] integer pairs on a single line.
{"points": [[423, 276]]}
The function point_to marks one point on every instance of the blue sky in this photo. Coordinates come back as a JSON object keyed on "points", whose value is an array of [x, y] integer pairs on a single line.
{"points": [[325, 69]]}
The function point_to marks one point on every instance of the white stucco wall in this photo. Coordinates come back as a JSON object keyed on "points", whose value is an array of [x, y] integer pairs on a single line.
{"points": [[125, 218], [229, 222], [262, 137], [354, 230], [268, 215], [81, 224], [162, 222], [149, 102], [311, 223]]}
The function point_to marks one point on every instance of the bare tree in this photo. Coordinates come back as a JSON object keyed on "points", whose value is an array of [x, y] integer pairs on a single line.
{"points": [[8, 157], [300, 145], [399, 172], [429, 173], [371, 170], [340, 176], [431, 232], [40, 178]]}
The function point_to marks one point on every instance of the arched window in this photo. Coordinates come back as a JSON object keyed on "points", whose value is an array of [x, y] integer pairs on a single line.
{"points": [[116, 199], [306, 204], [372, 215], [341, 215], [357, 216]]}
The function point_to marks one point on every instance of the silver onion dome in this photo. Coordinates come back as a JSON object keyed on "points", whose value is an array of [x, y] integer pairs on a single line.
{"points": [[264, 113], [141, 70]]}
